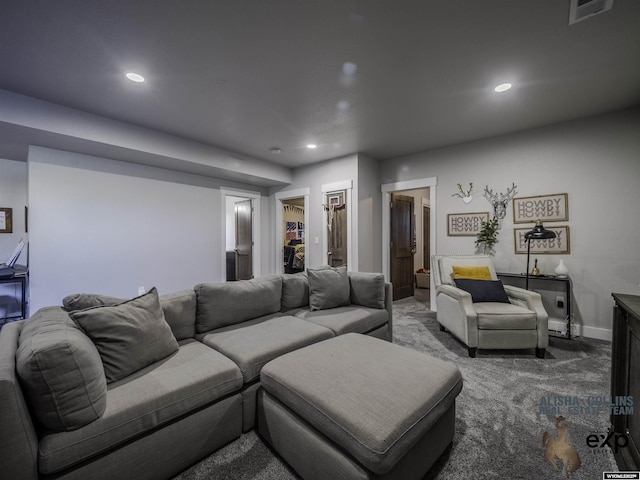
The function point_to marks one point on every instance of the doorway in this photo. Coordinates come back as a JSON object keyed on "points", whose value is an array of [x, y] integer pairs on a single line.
{"points": [[292, 226], [294, 229], [240, 220], [403, 245], [424, 193], [244, 240]]}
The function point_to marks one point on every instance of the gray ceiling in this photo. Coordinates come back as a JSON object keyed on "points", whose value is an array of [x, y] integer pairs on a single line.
{"points": [[247, 76]]}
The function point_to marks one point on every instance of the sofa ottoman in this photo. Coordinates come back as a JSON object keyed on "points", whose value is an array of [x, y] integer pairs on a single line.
{"points": [[357, 407]]}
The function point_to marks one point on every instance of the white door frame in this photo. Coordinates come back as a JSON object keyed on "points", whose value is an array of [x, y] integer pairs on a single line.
{"points": [[387, 188], [280, 196], [255, 227]]}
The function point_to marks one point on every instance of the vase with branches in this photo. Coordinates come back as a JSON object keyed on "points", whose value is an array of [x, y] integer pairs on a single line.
{"points": [[487, 237]]}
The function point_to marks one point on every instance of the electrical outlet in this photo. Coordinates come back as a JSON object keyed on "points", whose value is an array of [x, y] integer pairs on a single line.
{"points": [[560, 301], [142, 290]]}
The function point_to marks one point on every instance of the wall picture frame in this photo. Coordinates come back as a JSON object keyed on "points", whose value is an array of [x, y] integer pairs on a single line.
{"points": [[548, 208], [6, 220], [559, 245], [465, 224]]}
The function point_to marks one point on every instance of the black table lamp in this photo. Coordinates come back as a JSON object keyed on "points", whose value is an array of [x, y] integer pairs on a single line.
{"points": [[538, 233]]}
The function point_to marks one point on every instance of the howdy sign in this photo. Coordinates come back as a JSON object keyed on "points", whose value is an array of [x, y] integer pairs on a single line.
{"points": [[548, 208], [560, 244], [465, 224]]}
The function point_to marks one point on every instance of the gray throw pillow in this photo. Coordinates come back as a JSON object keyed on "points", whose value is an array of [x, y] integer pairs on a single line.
{"points": [[328, 288], [60, 371], [129, 336], [179, 308]]}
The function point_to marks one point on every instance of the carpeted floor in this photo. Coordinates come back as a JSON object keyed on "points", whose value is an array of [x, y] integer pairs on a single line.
{"points": [[499, 423]]}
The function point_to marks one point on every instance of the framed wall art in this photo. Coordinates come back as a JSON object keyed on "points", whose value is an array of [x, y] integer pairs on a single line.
{"points": [[548, 208], [465, 224], [6, 220], [560, 244]]}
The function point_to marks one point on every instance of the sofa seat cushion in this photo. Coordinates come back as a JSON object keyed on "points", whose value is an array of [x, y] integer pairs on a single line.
{"points": [[255, 342], [372, 398], [504, 316], [341, 320], [195, 376]]}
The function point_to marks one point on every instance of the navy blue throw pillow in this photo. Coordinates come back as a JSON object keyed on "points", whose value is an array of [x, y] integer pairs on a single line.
{"points": [[483, 290]]}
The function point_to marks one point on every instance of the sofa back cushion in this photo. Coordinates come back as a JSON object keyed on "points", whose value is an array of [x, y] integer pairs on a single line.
{"points": [[367, 289], [82, 301], [295, 291], [222, 304], [61, 371], [129, 336], [179, 308]]}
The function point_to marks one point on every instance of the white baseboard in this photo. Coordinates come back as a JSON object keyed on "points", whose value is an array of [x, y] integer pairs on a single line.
{"points": [[581, 330]]}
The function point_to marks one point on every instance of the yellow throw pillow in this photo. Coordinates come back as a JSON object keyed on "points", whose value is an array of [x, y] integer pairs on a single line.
{"points": [[475, 273]]}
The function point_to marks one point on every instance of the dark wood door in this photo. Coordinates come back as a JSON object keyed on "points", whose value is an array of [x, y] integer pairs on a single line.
{"points": [[402, 245], [244, 240]]}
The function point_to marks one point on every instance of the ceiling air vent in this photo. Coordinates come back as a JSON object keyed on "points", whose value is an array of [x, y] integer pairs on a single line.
{"points": [[582, 9]]}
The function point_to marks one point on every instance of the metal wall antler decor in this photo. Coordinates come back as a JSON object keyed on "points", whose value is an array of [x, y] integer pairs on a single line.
{"points": [[465, 195], [499, 201]]}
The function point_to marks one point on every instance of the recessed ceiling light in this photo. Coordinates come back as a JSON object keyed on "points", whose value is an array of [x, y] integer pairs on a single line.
{"points": [[134, 77], [311, 146], [349, 68], [275, 150], [503, 87]]}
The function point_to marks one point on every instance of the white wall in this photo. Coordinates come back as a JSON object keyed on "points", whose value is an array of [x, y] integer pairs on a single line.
{"points": [[594, 160], [13, 194], [105, 226], [369, 217]]}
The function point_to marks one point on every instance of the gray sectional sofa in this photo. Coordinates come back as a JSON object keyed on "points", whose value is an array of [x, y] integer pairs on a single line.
{"points": [[143, 388]]}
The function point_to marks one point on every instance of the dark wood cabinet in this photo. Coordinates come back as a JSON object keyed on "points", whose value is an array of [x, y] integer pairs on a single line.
{"points": [[625, 375]]}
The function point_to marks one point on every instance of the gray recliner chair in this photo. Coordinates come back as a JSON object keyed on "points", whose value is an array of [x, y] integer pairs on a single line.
{"points": [[521, 323]]}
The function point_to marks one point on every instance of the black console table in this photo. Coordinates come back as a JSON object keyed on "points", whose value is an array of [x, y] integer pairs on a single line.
{"points": [[20, 277], [625, 381], [543, 282]]}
